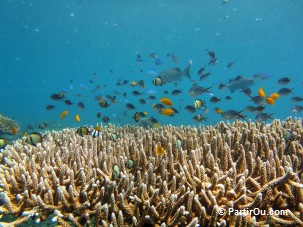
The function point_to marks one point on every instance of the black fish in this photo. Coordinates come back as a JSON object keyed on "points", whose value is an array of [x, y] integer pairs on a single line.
{"points": [[50, 107], [80, 105], [68, 102]]}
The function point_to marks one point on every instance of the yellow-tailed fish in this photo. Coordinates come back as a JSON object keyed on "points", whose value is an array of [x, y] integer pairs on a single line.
{"points": [[270, 100], [63, 114], [159, 150], [167, 112], [77, 118], [261, 92], [166, 101]]}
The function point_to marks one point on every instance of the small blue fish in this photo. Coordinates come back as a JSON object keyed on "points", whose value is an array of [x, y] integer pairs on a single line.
{"points": [[83, 86], [139, 59], [158, 61]]}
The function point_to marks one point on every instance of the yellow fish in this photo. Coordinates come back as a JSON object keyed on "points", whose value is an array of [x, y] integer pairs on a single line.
{"points": [[98, 128], [261, 92], [15, 131], [159, 150], [270, 100], [218, 110], [77, 118], [63, 114], [167, 112], [166, 101], [275, 96]]}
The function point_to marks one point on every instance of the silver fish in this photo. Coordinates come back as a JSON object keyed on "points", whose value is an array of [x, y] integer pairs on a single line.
{"points": [[254, 109], [197, 90], [175, 74], [258, 100], [285, 91], [296, 99], [263, 117], [296, 109], [232, 114], [239, 82]]}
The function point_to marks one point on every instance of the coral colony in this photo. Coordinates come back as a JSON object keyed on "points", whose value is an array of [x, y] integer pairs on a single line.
{"points": [[119, 180]]}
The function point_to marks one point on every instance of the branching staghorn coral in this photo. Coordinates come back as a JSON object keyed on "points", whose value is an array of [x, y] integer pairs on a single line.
{"points": [[7, 125], [79, 181]]}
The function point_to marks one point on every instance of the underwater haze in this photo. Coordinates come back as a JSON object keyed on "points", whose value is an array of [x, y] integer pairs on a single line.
{"points": [[91, 52]]}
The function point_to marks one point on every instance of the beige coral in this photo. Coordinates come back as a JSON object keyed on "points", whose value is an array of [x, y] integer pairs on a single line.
{"points": [[238, 166]]}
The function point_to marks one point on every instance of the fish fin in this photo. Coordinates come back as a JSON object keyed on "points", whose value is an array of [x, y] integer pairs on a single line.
{"points": [[186, 71]]}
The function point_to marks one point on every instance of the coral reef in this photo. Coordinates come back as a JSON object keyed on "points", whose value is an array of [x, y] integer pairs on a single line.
{"points": [[7, 125], [120, 181]]}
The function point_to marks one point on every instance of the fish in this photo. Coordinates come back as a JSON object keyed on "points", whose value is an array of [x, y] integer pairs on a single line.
{"points": [[274, 95], [211, 53], [77, 118], [130, 163], [136, 117], [158, 81], [158, 61], [218, 110], [199, 117], [262, 76], [227, 97], [133, 83], [15, 130], [99, 114], [174, 58], [167, 112], [285, 91], [263, 117], [166, 101], [270, 100], [159, 150], [215, 99], [254, 109], [130, 106], [178, 144], [151, 97], [42, 125], [103, 103], [139, 59], [141, 83], [80, 105], [63, 114], [288, 135], [113, 137], [198, 103], [201, 70], [33, 138], [116, 172], [176, 92], [97, 132], [239, 82], [296, 99], [230, 64], [137, 93], [261, 92], [82, 131], [50, 107], [296, 109], [204, 76], [232, 114], [142, 101], [2, 143], [283, 81], [153, 55], [105, 119], [83, 86], [174, 74], [143, 114], [190, 108], [258, 100], [68, 102], [158, 107], [247, 91], [197, 90]]}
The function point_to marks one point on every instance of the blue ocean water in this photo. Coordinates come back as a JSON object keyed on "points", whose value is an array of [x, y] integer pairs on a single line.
{"points": [[51, 46]]}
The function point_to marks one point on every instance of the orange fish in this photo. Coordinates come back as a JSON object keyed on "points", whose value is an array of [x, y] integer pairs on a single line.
{"points": [[77, 118], [63, 114], [159, 150], [15, 131], [218, 110], [166, 101], [167, 112], [275, 96], [261, 92], [270, 100], [24, 134]]}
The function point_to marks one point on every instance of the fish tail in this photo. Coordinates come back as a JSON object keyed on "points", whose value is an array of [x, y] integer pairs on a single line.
{"points": [[186, 71]]}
